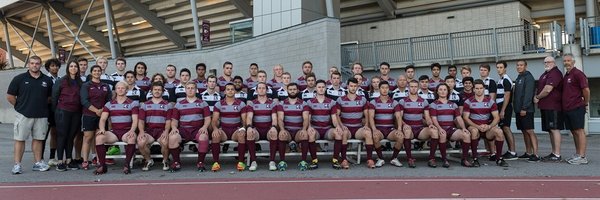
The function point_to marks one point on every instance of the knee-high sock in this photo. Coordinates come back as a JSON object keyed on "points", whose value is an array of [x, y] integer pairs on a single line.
{"points": [[433, 148], [202, 150], [443, 147], [465, 149], [241, 152], [344, 150], [474, 146], [408, 148], [273, 148], [369, 148], [282, 146], [337, 148], [101, 149], [216, 150], [313, 149], [304, 145], [52, 152], [129, 153], [175, 154], [499, 149], [251, 145], [379, 152]]}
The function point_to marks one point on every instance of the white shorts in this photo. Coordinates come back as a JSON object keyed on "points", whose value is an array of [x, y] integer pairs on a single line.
{"points": [[25, 127]]}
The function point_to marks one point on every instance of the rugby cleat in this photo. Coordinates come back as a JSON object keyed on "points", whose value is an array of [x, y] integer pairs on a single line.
{"points": [[411, 163], [175, 166], [396, 162], [314, 164], [303, 165], [215, 167], [253, 166], [241, 166], [431, 163], [282, 165], [100, 170], [126, 170], [272, 166], [201, 167], [336, 164], [476, 163]]}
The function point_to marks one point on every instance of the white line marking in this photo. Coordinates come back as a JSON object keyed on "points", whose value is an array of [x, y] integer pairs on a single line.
{"points": [[290, 181]]}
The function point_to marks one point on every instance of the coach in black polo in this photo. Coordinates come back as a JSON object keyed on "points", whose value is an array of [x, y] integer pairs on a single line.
{"points": [[29, 93]]}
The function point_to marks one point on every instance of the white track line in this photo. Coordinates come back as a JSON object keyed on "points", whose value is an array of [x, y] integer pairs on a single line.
{"points": [[289, 181]]}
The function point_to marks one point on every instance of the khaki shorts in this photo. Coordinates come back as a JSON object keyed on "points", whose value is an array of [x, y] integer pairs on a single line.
{"points": [[25, 127]]}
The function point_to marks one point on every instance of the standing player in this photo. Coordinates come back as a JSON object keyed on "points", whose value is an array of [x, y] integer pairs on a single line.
{"points": [[435, 80], [141, 78], [83, 65], [123, 113], [293, 119], [307, 68], [180, 93], [226, 77], [282, 93], [253, 79], [575, 98], [133, 91], [402, 90], [374, 88], [384, 69], [385, 120], [360, 91], [357, 68], [453, 95], [548, 98], [228, 118], [524, 110], [172, 82], [262, 78], [104, 77], [120, 64], [238, 82], [424, 91], [417, 123], [335, 90], [503, 99], [467, 92], [409, 72], [200, 78], [211, 95], [481, 115], [323, 113], [190, 121], [158, 78], [445, 114], [52, 66], [491, 88], [261, 122], [154, 124], [452, 71], [277, 81], [352, 111], [311, 86]]}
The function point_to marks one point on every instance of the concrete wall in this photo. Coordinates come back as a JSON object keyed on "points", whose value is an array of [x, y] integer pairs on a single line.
{"points": [[508, 14], [289, 47], [272, 15]]}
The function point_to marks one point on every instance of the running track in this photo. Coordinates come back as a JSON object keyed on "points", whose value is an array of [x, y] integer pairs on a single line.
{"points": [[528, 188]]}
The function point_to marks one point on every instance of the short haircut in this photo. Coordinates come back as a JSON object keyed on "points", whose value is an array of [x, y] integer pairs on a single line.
{"points": [[352, 80], [185, 70], [451, 67], [423, 77], [82, 59], [307, 62], [361, 76], [286, 73], [191, 83], [173, 66], [467, 79], [230, 84], [449, 77], [227, 63], [413, 81], [357, 63], [384, 63], [201, 65], [321, 81], [465, 67], [525, 62], [253, 64], [95, 66], [309, 75], [478, 82], [262, 72], [503, 63], [211, 77], [120, 59], [383, 83], [101, 58], [154, 84], [486, 66], [409, 67], [129, 72], [434, 65], [238, 78], [291, 84], [335, 73], [50, 62]]}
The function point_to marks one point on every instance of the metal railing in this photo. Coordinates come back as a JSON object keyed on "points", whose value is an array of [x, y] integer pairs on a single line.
{"points": [[492, 43], [590, 33]]}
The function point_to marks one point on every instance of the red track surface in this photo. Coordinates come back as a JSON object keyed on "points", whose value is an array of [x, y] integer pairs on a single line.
{"points": [[564, 187]]}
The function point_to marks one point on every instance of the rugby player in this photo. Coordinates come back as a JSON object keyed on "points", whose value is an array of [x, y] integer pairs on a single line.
{"points": [[352, 113], [154, 124], [324, 121], [228, 118], [293, 121], [384, 121], [261, 124]]}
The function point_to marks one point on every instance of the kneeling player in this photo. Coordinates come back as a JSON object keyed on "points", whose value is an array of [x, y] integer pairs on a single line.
{"points": [[154, 124], [123, 113], [352, 112], [228, 117], [384, 119], [262, 124]]}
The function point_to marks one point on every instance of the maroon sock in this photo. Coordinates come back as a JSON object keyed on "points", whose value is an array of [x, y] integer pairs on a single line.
{"points": [[241, 152], [337, 148], [129, 153], [282, 146], [216, 149], [101, 152], [465, 149], [273, 147], [443, 147], [432, 148], [499, 149], [175, 153], [251, 145], [474, 146], [202, 150], [344, 150], [396, 152], [313, 149], [379, 152], [304, 145], [369, 148], [408, 148]]}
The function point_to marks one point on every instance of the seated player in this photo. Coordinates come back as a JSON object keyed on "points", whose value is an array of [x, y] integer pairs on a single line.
{"points": [[352, 112], [384, 120], [323, 112], [261, 124], [154, 124], [229, 116], [123, 113], [293, 119]]}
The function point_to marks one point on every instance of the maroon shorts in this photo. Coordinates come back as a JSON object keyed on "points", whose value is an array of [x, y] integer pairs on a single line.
{"points": [[416, 130], [262, 133], [353, 131], [322, 133], [155, 132], [119, 133], [385, 130], [293, 133], [229, 131], [449, 131], [188, 134]]}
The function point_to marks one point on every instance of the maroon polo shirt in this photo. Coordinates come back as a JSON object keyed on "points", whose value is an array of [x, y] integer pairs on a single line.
{"points": [[572, 96], [553, 100]]}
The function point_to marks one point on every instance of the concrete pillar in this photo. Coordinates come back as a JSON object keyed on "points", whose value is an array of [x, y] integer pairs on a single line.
{"points": [[330, 11], [570, 20], [11, 62], [109, 27], [50, 33], [196, 26]]}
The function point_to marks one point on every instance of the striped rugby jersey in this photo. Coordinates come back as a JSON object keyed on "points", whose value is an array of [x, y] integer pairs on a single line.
{"points": [[165, 95], [504, 85], [321, 112], [155, 115], [190, 114], [334, 94], [307, 94], [413, 111], [292, 114], [429, 96], [352, 111], [480, 112], [211, 99], [262, 117], [201, 85], [397, 94], [121, 113], [136, 94], [384, 112], [444, 112], [230, 115]]}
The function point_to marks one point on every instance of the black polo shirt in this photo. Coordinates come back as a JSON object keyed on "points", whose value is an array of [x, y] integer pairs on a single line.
{"points": [[32, 94]]}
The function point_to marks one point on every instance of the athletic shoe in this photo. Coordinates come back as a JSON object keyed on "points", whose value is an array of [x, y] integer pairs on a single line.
{"points": [[109, 161], [86, 165], [253, 166], [431, 163], [552, 158], [411, 163], [446, 164], [40, 166], [465, 163], [282, 165], [165, 165], [73, 165], [52, 162], [371, 164], [126, 170], [147, 165], [272, 166], [193, 148], [314, 164], [492, 157], [524, 156], [78, 161], [175, 166], [200, 167], [241, 166], [476, 162], [379, 163], [336, 164], [61, 167], [345, 164], [16, 169], [113, 150], [578, 161], [534, 159], [572, 157], [396, 162], [509, 156], [100, 170], [502, 163], [303, 165], [215, 167]]}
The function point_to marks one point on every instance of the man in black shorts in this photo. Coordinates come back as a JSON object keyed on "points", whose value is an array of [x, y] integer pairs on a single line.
{"points": [[523, 107], [548, 98], [575, 99]]}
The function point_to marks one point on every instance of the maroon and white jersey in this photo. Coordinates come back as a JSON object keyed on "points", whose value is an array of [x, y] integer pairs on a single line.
{"points": [[433, 84], [262, 112], [352, 111], [143, 84], [392, 82], [190, 114], [301, 81], [276, 85], [384, 112], [428, 95], [464, 96], [307, 94], [480, 111], [155, 115], [321, 112], [292, 113], [230, 115], [365, 84], [221, 82], [413, 111], [398, 94], [250, 83], [444, 112], [120, 113], [201, 85], [171, 85], [334, 94]]}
